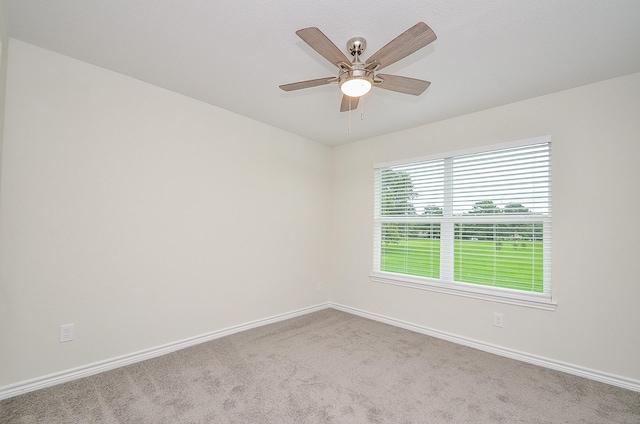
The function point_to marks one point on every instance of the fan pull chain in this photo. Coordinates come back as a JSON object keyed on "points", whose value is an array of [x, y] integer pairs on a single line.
{"points": [[349, 115], [362, 108]]}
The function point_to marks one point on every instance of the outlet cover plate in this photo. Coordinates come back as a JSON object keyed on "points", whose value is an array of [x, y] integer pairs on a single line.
{"points": [[498, 319], [66, 333]]}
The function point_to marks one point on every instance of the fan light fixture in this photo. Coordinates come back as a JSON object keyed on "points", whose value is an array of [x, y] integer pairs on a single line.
{"points": [[355, 86]]}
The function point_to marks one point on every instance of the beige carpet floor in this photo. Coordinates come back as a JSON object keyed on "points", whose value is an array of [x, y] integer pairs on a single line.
{"points": [[327, 367]]}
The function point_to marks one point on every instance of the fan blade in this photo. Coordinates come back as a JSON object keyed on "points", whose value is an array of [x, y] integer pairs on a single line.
{"points": [[307, 84], [349, 103], [404, 85], [320, 43], [410, 41]]}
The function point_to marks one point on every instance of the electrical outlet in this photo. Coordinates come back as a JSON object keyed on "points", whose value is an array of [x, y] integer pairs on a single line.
{"points": [[498, 319], [66, 333], [320, 286]]}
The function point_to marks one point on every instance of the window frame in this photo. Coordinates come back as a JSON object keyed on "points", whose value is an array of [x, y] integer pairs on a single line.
{"points": [[495, 294]]}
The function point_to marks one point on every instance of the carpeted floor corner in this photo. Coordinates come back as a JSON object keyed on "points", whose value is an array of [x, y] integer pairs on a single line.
{"points": [[327, 367]]}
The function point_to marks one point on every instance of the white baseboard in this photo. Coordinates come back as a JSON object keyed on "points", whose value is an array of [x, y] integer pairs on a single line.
{"points": [[98, 367], [614, 380], [109, 364]]}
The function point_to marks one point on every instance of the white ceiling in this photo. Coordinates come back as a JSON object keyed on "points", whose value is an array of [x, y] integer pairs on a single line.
{"points": [[235, 53]]}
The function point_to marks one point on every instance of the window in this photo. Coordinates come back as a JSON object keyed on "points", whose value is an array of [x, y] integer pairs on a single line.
{"points": [[475, 223]]}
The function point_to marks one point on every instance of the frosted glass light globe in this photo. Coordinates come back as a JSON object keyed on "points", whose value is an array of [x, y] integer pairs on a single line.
{"points": [[355, 87]]}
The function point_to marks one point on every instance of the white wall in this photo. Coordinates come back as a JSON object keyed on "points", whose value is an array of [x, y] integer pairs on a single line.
{"points": [[4, 54], [4, 40], [596, 241], [144, 217]]}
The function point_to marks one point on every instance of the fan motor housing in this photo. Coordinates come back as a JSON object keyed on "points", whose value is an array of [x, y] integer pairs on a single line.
{"points": [[357, 72]]}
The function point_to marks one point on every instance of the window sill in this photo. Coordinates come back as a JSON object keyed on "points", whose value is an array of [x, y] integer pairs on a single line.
{"points": [[529, 300]]}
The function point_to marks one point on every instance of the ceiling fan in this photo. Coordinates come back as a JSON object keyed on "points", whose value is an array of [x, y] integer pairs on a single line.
{"points": [[356, 78]]}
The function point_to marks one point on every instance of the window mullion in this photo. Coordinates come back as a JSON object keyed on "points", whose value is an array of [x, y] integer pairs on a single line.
{"points": [[447, 227]]}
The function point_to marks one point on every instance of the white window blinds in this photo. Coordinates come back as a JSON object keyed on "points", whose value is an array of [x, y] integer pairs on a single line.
{"points": [[479, 220]]}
